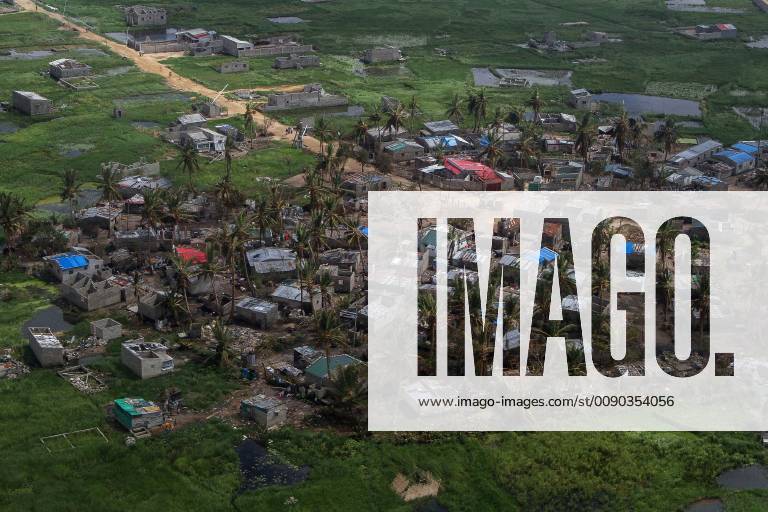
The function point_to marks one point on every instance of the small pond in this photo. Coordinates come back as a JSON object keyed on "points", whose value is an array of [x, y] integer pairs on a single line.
{"points": [[636, 104]]}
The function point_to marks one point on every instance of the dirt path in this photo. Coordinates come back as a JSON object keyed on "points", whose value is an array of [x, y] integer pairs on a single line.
{"points": [[150, 64]]}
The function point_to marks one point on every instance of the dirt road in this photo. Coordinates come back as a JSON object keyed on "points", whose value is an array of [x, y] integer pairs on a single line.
{"points": [[150, 64]]}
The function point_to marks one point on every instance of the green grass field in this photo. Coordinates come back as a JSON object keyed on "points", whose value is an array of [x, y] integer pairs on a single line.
{"points": [[484, 33], [82, 133]]}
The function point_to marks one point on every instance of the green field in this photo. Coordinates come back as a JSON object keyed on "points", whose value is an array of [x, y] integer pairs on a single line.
{"points": [[82, 133], [484, 33]]}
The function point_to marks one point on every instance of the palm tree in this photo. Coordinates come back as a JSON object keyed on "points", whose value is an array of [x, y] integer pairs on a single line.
{"points": [[667, 136], [329, 332], [621, 133], [360, 130], [70, 189], [325, 284], [153, 207], [494, 151], [184, 272], [454, 111], [109, 178], [223, 338], [585, 132], [228, 146], [413, 111], [643, 169], [188, 163], [13, 217], [702, 304], [348, 390], [376, 117], [396, 119], [477, 105], [535, 102], [322, 131], [174, 205], [497, 122]]}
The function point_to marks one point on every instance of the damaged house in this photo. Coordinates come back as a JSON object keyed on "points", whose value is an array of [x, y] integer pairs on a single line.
{"points": [[68, 68], [65, 266], [290, 295], [146, 360], [313, 96], [258, 312], [100, 290], [272, 263], [268, 413], [47, 348]]}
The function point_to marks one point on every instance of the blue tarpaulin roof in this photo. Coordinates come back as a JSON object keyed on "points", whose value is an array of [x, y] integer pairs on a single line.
{"points": [[70, 261], [734, 156], [632, 248], [746, 148], [364, 230], [546, 255]]}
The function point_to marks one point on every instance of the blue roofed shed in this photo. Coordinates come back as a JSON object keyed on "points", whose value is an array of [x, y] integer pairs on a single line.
{"points": [[320, 370], [745, 148], [70, 261]]}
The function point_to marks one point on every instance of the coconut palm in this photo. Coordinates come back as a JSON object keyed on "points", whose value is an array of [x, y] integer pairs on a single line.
{"points": [[413, 111], [223, 339], [666, 135], [184, 272], [396, 119], [376, 117], [585, 133], [702, 304], [360, 130], [14, 212], [535, 102], [188, 163], [109, 177], [322, 131], [348, 392], [621, 133], [174, 205], [477, 105], [248, 123], [494, 151], [329, 332], [70, 189], [454, 111], [153, 207]]}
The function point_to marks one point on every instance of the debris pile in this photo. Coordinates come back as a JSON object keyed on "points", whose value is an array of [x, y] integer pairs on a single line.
{"points": [[10, 368]]}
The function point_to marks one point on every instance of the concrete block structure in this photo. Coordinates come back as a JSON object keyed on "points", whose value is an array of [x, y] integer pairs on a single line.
{"points": [[91, 292], [382, 54], [234, 66], [47, 348], [294, 61], [146, 360], [106, 329], [258, 312], [291, 296], [133, 413], [65, 266], [31, 103], [272, 263], [581, 99], [143, 16], [313, 96], [268, 413], [68, 68]]}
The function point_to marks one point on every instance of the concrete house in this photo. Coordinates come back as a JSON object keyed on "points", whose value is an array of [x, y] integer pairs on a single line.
{"points": [[696, 154], [204, 140], [581, 99], [152, 306], [68, 68], [47, 348], [65, 266], [304, 356], [106, 329], [382, 54], [358, 185], [235, 46], [146, 360], [344, 259], [313, 96], [91, 220], [234, 66], [91, 292], [323, 369], [132, 185], [436, 128], [261, 313], [268, 413], [295, 61], [343, 281], [31, 103], [403, 150], [143, 16], [272, 263], [291, 296], [133, 413]]}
